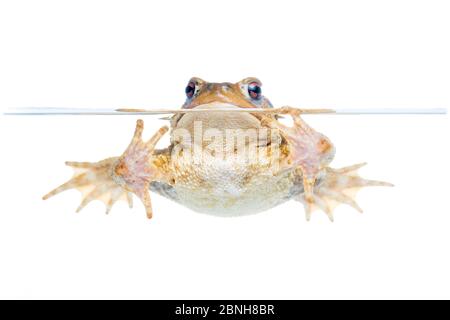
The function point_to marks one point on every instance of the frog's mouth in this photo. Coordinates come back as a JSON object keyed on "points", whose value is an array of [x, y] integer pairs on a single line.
{"points": [[219, 120]]}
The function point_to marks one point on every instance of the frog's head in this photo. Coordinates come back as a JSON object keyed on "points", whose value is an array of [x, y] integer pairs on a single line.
{"points": [[210, 95], [243, 94]]}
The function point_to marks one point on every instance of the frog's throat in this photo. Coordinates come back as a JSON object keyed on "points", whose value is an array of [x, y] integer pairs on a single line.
{"points": [[218, 105], [219, 120]]}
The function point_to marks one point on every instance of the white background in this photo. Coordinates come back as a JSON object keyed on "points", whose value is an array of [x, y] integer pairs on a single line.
{"points": [[352, 54]]}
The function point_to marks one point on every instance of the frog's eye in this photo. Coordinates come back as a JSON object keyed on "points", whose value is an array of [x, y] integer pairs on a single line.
{"points": [[190, 89], [254, 90]]}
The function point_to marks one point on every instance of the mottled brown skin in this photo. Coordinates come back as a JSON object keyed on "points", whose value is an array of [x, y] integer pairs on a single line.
{"points": [[225, 186], [188, 178]]}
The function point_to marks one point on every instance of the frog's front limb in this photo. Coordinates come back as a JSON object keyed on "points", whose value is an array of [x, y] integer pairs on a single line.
{"points": [[310, 153], [115, 178], [309, 150]]}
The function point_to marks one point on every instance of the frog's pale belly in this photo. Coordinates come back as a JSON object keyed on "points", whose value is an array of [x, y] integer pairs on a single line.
{"points": [[228, 187]]}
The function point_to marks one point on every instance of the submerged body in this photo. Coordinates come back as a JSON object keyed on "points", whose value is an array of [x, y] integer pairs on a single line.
{"points": [[225, 163]]}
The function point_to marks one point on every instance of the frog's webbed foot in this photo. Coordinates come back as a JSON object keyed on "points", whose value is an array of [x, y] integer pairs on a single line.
{"points": [[337, 186], [118, 177], [309, 150], [94, 181]]}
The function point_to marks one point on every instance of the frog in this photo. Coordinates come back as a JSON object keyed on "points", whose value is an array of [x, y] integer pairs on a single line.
{"points": [[228, 163]]}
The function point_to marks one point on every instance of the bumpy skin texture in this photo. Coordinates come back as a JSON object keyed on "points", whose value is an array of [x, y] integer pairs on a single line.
{"points": [[293, 162]]}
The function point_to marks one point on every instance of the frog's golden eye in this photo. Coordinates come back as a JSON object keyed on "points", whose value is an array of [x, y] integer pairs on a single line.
{"points": [[254, 90], [190, 89]]}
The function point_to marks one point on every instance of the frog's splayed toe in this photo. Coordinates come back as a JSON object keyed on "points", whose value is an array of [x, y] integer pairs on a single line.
{"points": [[338, 186], [117, 178]]}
